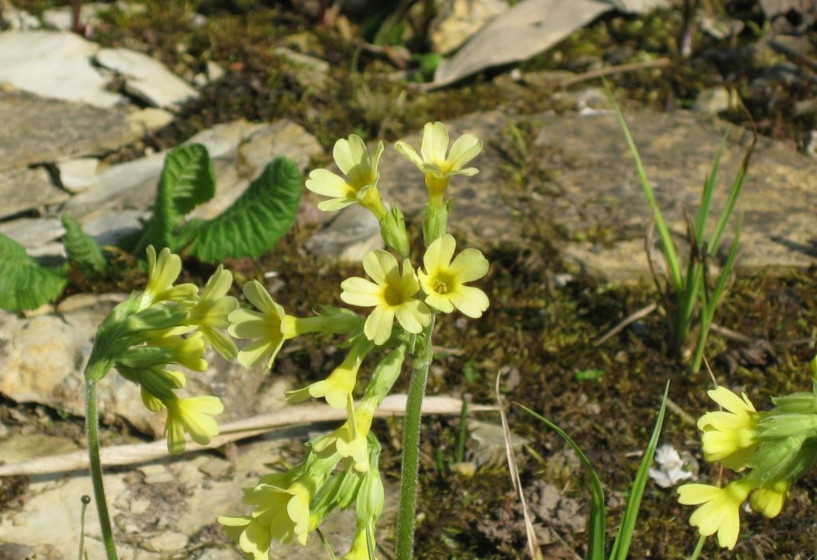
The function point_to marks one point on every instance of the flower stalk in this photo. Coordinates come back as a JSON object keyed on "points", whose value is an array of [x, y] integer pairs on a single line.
{"points": [[410, 463]]}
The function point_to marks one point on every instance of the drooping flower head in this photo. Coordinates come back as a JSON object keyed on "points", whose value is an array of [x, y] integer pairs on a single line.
{"points": [[194, 416], [443, 280], [210, 313], [338, 386], [162, 273], [392, 293], [730, 435], [438, 166], [719, 510], [267, 328], [360, 183]]}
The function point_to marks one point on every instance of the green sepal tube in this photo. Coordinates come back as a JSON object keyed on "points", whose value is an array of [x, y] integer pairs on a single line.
{"points": [[393, 231], [435, 221], [785, 459]]}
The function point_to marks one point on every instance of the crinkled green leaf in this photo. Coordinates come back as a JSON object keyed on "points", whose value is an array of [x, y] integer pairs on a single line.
{"points": [[256, 221], [24, 283], [187, 180], [82, 248]]}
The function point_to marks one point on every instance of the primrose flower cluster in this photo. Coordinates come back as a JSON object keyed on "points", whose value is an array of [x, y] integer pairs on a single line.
{"points": [[163, 325], [340, 469], [772, 449]]}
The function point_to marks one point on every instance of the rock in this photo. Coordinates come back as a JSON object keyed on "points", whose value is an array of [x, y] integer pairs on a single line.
{"points": [[37, 130], [76, 175], [12, 551], [166, 542], [14, 19], [149, 119], [33, 233], [147, 79], [715, 100], [54, 64], [459, 20], [809, 143], [61, 17], [23, 189], [601, 193], [308, 71]]}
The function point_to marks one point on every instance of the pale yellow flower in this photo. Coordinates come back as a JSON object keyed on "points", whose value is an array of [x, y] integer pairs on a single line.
{"points": [[194, 416], [338, 386], [360, 183], [162, 273], [443, 280], [729, 436], [437, 165], [350, 440], [252, 536], [769, 498], [360, 546], [393, 294], [267, 328], [211, 311], [719, 509]]}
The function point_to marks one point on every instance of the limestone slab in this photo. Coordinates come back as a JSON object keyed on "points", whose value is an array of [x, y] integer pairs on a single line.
{"points": [[38, 130], [147, 78], [54, 64]]}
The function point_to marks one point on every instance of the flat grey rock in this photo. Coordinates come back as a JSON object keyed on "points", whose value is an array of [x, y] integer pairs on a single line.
{"points": [[54, 64], [598, 192], [38, 130], [147, 78], [23, 189]]}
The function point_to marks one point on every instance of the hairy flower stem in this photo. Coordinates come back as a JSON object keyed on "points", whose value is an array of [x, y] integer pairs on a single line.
{"points": [[411, 445], [92, 424]]}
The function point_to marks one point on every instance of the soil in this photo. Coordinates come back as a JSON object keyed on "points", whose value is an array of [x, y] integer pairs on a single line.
{"points": [[541, 331]]}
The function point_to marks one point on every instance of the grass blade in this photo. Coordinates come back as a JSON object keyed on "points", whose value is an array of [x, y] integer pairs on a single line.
{"points": [[621, 546], [595, 549]]}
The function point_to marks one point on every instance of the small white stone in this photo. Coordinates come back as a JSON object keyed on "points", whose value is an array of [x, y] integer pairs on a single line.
{"points": [[77, 175]]}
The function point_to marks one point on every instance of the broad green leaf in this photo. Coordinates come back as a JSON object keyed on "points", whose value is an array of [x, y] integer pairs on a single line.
{"points": [[187, 180], [24, 283], [82, 248], [256, 221]]}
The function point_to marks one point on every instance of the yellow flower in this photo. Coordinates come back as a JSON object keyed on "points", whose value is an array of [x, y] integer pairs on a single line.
{"points": [[729, 436], [392, 294], [351, 439], [769, 498], [252, 536], [211, 311], [719, 511], [360, 546], [438, 167], [338, 386], [186, 351], [444, 280], [360, 184], [161, 275], [267, 329], [193, 416]]}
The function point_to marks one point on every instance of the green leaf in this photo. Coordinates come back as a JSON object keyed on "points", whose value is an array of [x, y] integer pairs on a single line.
{"points": [[82, 248], [24, 284], [187, 180], [256, 221]]}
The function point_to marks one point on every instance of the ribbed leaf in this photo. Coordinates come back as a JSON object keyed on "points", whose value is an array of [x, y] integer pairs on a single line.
{"points": [[82, 248], [24, 284], [187, 180], [256, 221]]}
